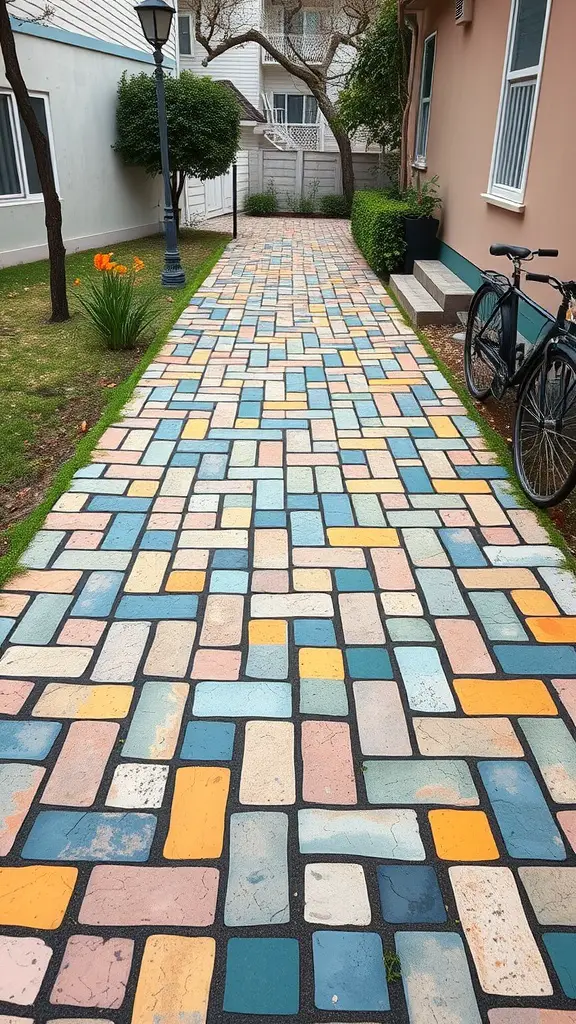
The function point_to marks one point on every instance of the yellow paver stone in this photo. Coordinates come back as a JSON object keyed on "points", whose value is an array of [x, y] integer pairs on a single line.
{"points": [[196, 830]]}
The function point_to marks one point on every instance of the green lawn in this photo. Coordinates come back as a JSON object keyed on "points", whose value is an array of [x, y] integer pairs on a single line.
{"points": [[56, 379]]}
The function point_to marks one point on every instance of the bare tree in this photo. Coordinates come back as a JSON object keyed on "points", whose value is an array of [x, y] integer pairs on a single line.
{"points": [[221, 25], [41, 150]]}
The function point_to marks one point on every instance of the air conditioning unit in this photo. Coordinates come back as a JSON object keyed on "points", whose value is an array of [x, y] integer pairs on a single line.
{"points": [[464, 11]]}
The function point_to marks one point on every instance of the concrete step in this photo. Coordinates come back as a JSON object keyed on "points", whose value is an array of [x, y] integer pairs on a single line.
{"points": [[418, 303], [451, 294]]}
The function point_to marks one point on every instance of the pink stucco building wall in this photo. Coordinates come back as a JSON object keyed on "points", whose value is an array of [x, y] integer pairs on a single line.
{"points": [[464, 109]]}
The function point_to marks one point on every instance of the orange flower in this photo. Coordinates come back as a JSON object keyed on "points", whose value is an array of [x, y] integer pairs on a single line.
{"points": [[102, 260], [120, 268], [76, 282], [137, 264]]}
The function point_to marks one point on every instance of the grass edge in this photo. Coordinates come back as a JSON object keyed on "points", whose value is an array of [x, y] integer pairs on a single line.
{"points": [[21, 533], [492, 438]]}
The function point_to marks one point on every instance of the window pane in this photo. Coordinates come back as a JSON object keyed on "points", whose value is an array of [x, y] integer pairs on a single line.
{"points": [[514, 132], [530, 19], [423, 122], [279, 105], [311, 22], [310, 110], [9, 179], [34, 186], [295, 109], [428, 66], [184, 36]]}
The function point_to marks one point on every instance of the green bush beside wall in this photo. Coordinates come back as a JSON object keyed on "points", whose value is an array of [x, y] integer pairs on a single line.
{"points": [[378, 230]]}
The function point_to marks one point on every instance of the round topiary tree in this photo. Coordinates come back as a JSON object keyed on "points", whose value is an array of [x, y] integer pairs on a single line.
{"points": [[203, 127]]}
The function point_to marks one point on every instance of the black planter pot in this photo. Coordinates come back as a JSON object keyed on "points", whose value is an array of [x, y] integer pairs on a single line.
{"points": [[421, 241]]}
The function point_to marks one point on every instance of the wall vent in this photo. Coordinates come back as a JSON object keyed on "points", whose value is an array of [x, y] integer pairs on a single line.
{"points": [[464, 11]]}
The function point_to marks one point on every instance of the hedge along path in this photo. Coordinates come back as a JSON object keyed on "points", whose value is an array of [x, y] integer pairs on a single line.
{"points": [[294, 549]]}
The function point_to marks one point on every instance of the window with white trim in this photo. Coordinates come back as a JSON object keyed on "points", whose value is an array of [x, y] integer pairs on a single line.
{"points": [[18, 172], [185, 35], [295, 108], [428, 59], [520, 87]]}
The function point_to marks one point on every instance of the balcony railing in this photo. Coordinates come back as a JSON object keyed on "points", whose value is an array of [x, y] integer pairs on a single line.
{"points": [[310, 48]]}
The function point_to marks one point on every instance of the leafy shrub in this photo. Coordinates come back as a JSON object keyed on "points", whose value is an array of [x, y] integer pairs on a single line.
{"points": [[378, 230], [335, 206], [423, 197], [306, 206], [260, 204], [112, 305]]}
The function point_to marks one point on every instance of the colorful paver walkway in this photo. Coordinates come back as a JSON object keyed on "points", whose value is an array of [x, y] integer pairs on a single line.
{"points": [[289, 686]]}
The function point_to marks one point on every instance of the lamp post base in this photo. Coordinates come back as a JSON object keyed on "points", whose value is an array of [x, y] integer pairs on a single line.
{"points": [[173, 277]]}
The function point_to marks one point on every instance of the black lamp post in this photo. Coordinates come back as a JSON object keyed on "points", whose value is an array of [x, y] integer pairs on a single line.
{"points": [[156, 21]]}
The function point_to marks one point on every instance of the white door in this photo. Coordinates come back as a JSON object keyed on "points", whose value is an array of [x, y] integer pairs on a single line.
{"points": [[218, 192]]}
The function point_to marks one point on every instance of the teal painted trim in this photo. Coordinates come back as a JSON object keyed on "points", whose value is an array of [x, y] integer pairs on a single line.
{"points": [[60, 35], [530, 322]]}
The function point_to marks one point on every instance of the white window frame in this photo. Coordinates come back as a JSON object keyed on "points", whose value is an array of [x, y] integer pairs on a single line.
{"points": [[305, 96], [25, 195], [514, 197], [190, 27], [420, 158]]}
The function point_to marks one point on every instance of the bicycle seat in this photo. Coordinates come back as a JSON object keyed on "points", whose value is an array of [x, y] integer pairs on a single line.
{"points": [[518, 251]]}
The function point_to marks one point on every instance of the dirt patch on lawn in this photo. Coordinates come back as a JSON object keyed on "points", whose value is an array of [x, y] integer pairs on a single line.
{"points": [[500, 416]]}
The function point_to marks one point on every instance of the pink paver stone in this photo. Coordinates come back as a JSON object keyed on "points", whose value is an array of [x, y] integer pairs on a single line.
{"points": [[84, 540], [381, 719], [13, 695], [567, 821], [456, 517], [23, 964], [360, 619], [81, 763], [270, 581], [566, 689], [466, 650], [81, 632], [392, 569], [94, 972], [216, 664], [222, 624], [500, 535], [328, 766], [270, 453], [516, 1015], [122, 895]]}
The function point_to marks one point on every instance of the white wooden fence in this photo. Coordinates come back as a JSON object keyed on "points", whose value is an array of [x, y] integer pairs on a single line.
{"points": [[294, 174]]}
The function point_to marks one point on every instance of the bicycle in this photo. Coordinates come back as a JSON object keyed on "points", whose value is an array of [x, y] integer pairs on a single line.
{"points": [[545, 427]]}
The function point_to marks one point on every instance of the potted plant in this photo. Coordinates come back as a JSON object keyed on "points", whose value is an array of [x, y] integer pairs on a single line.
{"points": [[420, 225]]}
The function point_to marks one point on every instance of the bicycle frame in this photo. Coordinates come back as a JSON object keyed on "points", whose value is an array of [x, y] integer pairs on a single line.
{"points": [[505, 361]]}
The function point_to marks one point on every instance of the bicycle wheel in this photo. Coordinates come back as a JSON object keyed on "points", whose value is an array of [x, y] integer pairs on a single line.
{"points": [[545, 430], [479, 372]]}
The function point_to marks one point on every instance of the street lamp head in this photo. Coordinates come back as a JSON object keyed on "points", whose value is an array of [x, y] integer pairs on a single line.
{"points": [[156, 21]]}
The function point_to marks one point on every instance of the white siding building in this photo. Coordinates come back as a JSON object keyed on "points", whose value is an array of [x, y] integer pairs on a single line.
{"points": [[292, 146], [72, 63]]}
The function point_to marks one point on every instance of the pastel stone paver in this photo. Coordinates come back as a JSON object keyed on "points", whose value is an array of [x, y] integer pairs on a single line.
{"points": [[288, 684]]}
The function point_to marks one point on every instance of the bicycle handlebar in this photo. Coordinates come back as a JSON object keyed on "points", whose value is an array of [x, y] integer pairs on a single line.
{"points": [[546, 252], [542, 278]]}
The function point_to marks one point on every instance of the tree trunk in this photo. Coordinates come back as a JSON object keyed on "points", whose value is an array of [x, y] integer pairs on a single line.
{"points": [[177, 182], [404, 154], [41, 149], [342, 140], [345, 147]]}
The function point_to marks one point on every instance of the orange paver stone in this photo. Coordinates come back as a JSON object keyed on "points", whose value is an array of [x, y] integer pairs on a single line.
{"points": [[504, 697], [196, 829], [462, 835]]}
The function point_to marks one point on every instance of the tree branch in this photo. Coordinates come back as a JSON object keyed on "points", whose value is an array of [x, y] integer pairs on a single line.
{"points": [[255, 36]]}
